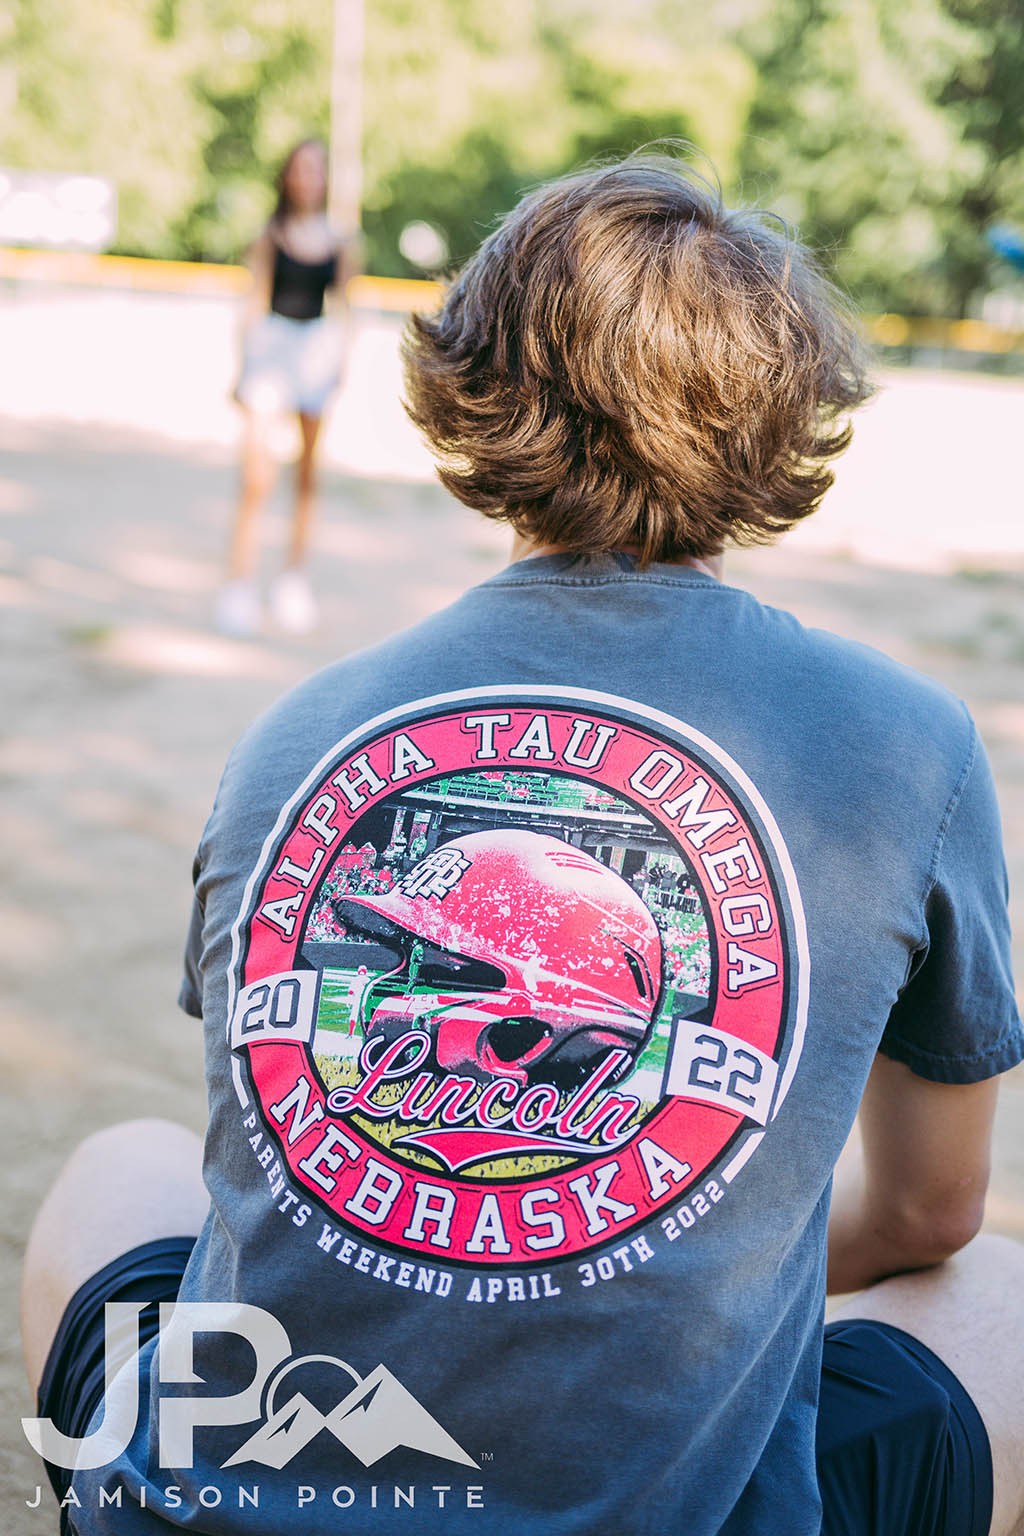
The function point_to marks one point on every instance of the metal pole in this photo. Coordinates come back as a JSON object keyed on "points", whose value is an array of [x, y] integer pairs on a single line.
{"points": [[347, 115]]}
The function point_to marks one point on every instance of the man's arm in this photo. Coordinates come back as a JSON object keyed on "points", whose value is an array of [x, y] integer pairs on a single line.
{"points": [[913, 1193]]}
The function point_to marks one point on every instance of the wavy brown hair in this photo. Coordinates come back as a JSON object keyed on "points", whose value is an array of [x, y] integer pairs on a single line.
{"points": [[626, 361]]}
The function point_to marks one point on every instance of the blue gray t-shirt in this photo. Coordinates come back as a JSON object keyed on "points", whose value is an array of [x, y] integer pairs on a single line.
{"points": [[543, 953]]}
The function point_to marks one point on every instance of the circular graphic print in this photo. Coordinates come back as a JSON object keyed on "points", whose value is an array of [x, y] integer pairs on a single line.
{"points": [[516, 974]]}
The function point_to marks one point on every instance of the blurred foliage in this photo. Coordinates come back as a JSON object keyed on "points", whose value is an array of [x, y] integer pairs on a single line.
{"points": [[889, 131], [486, 100]]}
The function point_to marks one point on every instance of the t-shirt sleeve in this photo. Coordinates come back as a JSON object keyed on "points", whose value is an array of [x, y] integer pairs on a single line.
{"points": [[956, 1019], [190, 993]]}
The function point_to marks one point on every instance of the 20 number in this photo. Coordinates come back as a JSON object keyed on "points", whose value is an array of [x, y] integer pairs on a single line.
{"points": [[276, 1008]]}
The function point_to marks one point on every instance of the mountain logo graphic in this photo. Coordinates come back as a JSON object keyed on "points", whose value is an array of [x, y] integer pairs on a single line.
{"points": [[376, 1415]]}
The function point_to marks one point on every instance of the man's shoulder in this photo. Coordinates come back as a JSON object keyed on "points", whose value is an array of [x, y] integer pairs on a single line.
{"points": [[852, 676], [758, 661], [350, 693]]}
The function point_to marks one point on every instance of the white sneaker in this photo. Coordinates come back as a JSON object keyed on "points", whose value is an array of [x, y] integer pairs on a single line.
{"points": [[292, 604], [238, 610]]}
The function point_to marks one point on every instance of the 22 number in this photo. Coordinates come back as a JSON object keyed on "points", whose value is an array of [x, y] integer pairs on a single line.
{"points": [[731, 1089]]}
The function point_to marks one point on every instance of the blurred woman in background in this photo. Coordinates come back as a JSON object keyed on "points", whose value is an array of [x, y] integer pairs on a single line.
{"points": [[292, 359]]}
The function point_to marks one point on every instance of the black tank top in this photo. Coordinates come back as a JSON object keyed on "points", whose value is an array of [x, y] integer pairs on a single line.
{"points": [[299, 286]]}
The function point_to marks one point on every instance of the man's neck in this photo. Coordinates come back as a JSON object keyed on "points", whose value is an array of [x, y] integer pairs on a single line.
{"points": [[526, 549]]}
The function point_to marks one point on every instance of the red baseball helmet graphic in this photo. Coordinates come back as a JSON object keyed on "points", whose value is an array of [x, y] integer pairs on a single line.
{"points": [[522, 955]]}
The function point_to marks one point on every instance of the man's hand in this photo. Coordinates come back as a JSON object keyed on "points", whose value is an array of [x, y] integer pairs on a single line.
{"points": [[915, 1194]]}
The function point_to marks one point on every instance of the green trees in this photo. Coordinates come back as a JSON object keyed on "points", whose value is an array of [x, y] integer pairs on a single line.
{"points": [[892, 132], [188, 105], [86, 87], [482, 101], [889, 130]]}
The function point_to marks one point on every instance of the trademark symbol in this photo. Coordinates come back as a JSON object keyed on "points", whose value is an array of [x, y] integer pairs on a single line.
{"points": [[486, 1455]]}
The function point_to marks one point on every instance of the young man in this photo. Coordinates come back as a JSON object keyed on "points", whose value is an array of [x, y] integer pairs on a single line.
{"points": [[520, 1162]]}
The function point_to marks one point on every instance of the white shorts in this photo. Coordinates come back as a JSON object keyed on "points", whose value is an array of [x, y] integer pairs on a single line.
{"points": [[290, 365]]}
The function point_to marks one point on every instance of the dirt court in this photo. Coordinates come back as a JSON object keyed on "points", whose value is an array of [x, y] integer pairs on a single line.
{"points": [[120, 705]]}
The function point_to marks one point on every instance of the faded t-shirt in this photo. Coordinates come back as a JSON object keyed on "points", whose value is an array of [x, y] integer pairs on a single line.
{"points": [[543, 953]]}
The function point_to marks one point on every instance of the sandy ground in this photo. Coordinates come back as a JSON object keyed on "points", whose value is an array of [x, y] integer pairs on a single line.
{"points": [[120, 703]]}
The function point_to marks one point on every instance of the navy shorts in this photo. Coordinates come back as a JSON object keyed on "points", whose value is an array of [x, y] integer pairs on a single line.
{"points": [[71, 1388], [902, 1450]]}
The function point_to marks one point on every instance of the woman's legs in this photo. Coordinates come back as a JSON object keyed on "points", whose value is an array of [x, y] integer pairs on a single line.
{"points": [[130, 1184], [258, 473], [292, 604], [305, 491], [291, 599], [970, 1312], [238, 606]]}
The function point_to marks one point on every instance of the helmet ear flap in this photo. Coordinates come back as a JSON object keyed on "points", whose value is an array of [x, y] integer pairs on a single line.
{"points": [[509, 1046], [511, 1039]]}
